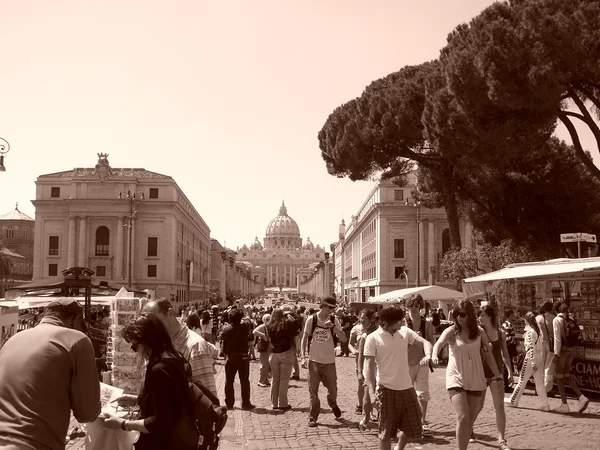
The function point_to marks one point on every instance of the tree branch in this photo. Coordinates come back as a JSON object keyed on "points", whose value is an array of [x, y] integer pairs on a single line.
{"points": [[589, 120], [585, 159]]}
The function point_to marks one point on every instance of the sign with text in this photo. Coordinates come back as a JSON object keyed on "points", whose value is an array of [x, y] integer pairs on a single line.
{"points": [[587, 374], [577, 237]]}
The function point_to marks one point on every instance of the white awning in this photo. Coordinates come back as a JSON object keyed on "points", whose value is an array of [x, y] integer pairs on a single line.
{"points": [[553, 269], [428, 293]]}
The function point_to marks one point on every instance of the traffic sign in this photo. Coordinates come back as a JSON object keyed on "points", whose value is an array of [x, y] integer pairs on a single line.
{"points": [[578, 237]]}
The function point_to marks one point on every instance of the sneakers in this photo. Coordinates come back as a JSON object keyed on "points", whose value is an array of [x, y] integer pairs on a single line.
{"points": [[472, 438], [583, 404], [426, 431], [336, 412], [502, 445], [295, 378], [545, 407], [263, 384], [312, 423], [509, 403], [563, 409]]}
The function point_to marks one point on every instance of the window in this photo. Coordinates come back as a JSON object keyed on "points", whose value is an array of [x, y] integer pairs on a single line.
{"points": [[10, 233], [53, 246], [318, 255], [153, 193], [244, 255], [152, 246], [101, 271], [26, 233], [55, 192], [398, 194], [152, 271], [102, 241], [52, 270], [398, 248], [399, 272]]}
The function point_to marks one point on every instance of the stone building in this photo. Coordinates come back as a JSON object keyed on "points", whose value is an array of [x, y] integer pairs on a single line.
{"points": [[124, 224], [281, 254], [391, 243], [16, 249]]}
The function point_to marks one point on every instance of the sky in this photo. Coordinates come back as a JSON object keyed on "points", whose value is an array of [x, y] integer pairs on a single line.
{"points": [[225, 97]]}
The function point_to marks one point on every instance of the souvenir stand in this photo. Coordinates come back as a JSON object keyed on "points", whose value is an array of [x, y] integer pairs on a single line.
{"points": [[526, 287]]}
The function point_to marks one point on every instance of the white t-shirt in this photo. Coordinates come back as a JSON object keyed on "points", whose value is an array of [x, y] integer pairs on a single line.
{"points": [[391, 355], [321, 346]]}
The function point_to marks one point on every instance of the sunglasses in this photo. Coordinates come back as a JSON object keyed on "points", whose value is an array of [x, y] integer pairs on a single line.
{"points": [[461, 314]]}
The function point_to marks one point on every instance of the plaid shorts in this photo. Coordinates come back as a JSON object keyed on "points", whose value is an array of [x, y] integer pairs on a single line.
{"points": [[400, 410]]}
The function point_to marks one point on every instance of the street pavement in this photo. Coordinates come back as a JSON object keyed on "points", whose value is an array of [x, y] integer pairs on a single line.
{"points": [[262, 428]]}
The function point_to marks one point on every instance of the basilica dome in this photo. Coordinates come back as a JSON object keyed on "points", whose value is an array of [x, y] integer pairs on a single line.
{"points": [[283, 231]]}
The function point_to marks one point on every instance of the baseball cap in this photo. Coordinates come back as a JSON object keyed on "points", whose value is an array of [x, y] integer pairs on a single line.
{"points": [[67, 305]]}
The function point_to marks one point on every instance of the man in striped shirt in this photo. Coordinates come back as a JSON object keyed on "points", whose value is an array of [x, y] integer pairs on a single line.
{"points": [[200, 353]]}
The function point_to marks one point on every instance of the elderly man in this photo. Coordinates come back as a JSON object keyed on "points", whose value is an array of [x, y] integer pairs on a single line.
{"points": [[46, 372], [199, 352]]}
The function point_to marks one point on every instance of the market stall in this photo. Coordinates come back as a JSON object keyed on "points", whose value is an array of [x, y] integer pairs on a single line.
{"points": [[526, 287]]}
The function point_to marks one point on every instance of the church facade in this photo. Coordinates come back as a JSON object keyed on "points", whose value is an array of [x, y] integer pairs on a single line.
{"points": [[282, 254]]}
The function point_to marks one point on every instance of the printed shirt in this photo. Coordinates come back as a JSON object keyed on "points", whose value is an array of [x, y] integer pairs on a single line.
{"points": [[322, 349], [200, 354], [510, 333], [391, 356]]}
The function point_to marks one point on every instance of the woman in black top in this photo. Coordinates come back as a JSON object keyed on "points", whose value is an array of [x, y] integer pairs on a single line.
{"points": [[281, 331], [165, 421]]}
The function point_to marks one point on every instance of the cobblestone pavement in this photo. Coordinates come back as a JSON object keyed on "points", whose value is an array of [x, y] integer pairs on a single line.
{"points": [[262, 428]]}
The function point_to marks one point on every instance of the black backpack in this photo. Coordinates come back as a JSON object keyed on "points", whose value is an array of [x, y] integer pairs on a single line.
{"points": [[573, 336]]}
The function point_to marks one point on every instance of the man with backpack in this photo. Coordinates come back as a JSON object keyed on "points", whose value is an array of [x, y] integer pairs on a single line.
{"points": [[567, 336], [419, 373], [318, 340]]}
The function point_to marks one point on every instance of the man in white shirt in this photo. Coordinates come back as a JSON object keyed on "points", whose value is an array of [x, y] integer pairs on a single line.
{"points": [[319, 329], [544, 320], [387, 350]]}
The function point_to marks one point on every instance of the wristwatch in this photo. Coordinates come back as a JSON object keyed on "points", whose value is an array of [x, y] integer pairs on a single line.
{"points": [[125, 425]]}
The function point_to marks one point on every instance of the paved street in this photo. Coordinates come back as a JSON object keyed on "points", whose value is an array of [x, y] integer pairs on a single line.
{"points": [[528, 428]]}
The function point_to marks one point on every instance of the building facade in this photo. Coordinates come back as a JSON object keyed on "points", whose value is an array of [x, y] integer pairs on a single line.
{"points": [[391, 243], [124, 224], [16, 249], [282, 254]]}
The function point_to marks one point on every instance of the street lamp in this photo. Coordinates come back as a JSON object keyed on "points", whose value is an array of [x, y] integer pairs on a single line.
{"points": [[132, 197], [417, 204], [4, 148]]}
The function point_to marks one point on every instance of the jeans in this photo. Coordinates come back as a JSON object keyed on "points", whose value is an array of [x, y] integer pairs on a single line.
{"points": [[265, 367], [295, 362], [321, 373], [524, 376], [281, 368], [237, 363]]}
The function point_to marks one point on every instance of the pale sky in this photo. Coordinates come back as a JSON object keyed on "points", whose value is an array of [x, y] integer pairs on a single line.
{"points": [[225, 97]]}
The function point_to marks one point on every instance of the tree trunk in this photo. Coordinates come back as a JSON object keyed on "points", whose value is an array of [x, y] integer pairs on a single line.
{"points": [[451, 205]]}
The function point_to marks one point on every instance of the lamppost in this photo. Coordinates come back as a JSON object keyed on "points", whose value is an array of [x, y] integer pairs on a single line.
{"points": [[4, 148], [417, 204], [132, 197]]}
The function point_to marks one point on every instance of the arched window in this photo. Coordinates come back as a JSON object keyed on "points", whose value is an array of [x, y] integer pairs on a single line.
{"points": [[102, 241], [445, 241]]}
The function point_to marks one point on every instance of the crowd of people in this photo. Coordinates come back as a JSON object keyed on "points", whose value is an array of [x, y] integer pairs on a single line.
{"points": [[395, 350]]}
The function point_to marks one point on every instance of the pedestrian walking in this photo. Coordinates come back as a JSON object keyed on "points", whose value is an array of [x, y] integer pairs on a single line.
{"points": [[532, 365], [386, 361], [497, 339], [370, 321], [47, 372], [544, 320], [419, 373], [281, 331], [567, 336], [235, 348], [318, 341], [263, 348], [364, 320], [511, 344], [465, 378], [164, 421]]}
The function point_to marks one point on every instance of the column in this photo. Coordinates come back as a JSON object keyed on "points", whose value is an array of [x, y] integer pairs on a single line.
{"points": [[119, 250], [431, 255], [276, 275], [421, 249], [82, 260], [71, 253], [132, 256], [468, 235]]}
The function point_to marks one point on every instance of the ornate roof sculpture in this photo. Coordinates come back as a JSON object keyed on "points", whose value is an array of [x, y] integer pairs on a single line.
{"points": [[15, 214]]}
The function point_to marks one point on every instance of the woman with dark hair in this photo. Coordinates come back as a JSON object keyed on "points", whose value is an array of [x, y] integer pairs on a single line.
{"points": [[165, 421], [533, 364], [499, 350], [465, 378], [281, 331], [193, 323]]}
